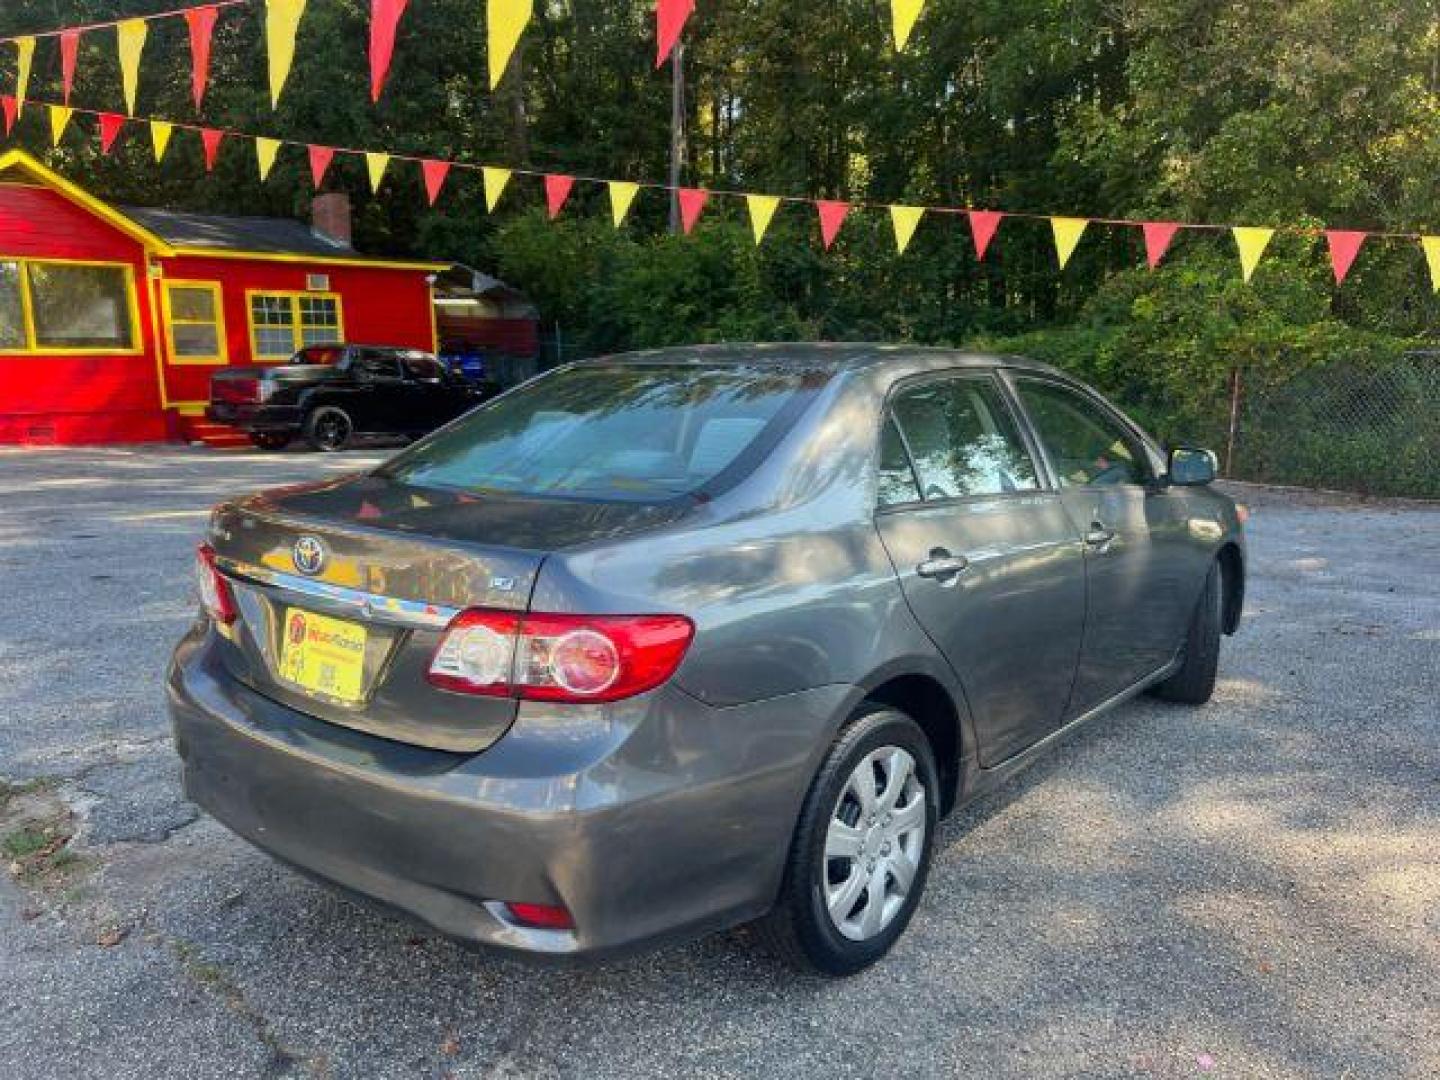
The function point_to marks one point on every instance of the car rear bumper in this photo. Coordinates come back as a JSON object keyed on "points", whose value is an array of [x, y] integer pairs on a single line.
{"points": [[649, 819], [253, 417]]}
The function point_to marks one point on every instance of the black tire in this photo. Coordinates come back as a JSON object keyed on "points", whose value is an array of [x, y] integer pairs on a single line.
{"points": [[800, 929], [270, 440], [328, 428], [1200, 658]]}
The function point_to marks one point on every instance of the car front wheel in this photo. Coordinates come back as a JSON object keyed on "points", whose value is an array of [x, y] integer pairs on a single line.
{"points": [[1194, 682], [861, 851]]}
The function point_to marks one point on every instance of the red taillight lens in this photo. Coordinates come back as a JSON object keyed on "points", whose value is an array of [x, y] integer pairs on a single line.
{"points": [[559, 657], [215, 595], [541, 916]]}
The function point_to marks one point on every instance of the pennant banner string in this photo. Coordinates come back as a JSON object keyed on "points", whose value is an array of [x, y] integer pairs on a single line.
{"points": [[1252, 241], [109, 24]]}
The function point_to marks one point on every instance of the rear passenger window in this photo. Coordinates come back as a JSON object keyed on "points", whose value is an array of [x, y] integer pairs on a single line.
{"points": [[374, 364], [962, 440], [422, 367]]}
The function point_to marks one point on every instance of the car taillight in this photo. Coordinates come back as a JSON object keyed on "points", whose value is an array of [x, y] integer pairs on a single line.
{"points": [[559, 657], [215, 595]]}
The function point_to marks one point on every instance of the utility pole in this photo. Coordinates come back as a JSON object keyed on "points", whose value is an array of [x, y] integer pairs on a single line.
{"points": [[677, 130]]}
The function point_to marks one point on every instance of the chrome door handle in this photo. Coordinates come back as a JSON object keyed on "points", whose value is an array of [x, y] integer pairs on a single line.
{"points": [[942, 566], [1099, 534]]}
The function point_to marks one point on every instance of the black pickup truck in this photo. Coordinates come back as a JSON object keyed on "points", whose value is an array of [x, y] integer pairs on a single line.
{"points": [[329, 393]]}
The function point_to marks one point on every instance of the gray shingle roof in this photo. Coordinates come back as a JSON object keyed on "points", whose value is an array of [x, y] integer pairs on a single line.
{"points": [[279, 236]]}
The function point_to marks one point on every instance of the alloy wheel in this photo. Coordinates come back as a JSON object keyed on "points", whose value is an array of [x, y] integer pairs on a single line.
{"points": [[874, 843]]}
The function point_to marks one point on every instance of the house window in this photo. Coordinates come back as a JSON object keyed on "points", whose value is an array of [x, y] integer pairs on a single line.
{"points": [[12, 307], [195, 322], [282, 323], [50, 307]]}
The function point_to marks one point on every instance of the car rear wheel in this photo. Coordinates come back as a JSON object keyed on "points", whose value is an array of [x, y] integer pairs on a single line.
{"points": [[1194, 683], [328, 428], [270, 440], [861, 851]]}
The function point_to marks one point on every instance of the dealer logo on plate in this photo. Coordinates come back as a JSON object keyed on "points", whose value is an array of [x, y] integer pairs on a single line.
{"points": [[308, 554]]}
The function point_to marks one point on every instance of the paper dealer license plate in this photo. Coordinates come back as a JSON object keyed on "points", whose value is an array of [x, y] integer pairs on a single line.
{"points": [[323, 655]]}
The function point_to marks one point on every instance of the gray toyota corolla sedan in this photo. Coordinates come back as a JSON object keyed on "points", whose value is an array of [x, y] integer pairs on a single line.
{"points": [[662, 643]]}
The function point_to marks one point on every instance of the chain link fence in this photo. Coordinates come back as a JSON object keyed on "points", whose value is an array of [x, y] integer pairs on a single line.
{"points": [[1374, 430]]}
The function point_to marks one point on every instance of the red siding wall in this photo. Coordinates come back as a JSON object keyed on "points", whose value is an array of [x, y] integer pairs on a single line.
{"points": [[75, 399], [378, 305]]}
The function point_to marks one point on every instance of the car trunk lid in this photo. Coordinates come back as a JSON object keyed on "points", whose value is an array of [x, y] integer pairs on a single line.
{"points": [[368, 573]]}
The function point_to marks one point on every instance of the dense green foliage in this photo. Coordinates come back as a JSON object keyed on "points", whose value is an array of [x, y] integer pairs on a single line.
{"points": [[1282, 112]]}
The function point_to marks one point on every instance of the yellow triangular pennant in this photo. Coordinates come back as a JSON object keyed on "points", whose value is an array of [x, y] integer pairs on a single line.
{"points": [[1068, 231], [905, 219], [1431, 245], [762, 209], [1251, 243], [24, 56], [265, 151], [282, 22], [622, 194], [375, 165], [495, 181], [904, 13], [130, 40], [59, 120], [505, 22], [160, 132]]}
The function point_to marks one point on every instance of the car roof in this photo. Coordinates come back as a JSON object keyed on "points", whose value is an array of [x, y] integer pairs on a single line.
{"points": [[828, 355]]}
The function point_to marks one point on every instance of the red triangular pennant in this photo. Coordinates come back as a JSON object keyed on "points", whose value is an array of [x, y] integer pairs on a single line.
{"points": [[202, 27], [69, 48], [211, 138], [110, 125], [1344, 246], [670, 16], [557, 190], [8, 109], [320, 158], [983, 224], [1158, 235], [435, 173], [692, 201], [832, 216], [384, 18]]}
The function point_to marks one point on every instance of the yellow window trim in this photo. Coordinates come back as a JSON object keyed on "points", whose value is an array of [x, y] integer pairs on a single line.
{"points": [[27, 310], [295, 324], [173, 354]]}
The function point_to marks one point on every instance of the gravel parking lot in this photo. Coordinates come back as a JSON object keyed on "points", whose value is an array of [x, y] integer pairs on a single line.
{"points": [[1248, 889]]}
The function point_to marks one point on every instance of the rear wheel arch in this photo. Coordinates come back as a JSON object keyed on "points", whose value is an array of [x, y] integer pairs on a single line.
{"points": [[927, 701], [1232, 586]]}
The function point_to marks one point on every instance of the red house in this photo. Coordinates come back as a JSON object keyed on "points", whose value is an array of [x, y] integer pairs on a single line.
{"points": [[112, 318]]}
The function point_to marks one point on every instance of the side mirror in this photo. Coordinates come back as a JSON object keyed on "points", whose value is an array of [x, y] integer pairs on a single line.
{"points": [[1191, 466]]}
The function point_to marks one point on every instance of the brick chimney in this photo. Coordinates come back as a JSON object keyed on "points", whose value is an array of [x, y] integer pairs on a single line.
{"points": [[330, 217]]}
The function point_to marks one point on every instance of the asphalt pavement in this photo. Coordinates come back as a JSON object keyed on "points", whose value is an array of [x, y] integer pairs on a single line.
{"points": [[1247, 889]]}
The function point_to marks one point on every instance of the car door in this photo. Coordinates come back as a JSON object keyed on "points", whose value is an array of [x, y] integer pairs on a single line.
{"points": [[434, 400], [1138, 594], [988, 559], [382, 401]]}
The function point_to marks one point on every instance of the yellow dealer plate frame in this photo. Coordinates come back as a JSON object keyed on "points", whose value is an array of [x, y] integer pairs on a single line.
{"points": [[323, 656]]}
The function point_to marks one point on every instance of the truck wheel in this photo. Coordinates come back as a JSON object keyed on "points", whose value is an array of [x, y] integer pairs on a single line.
{"points": [[861, 850], [270, 440], [328, 428]]}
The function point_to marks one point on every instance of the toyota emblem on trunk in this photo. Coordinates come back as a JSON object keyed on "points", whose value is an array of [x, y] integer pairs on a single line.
{"points": [[308, 554]]}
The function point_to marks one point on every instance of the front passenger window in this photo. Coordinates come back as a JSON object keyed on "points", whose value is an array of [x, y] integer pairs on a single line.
{"points": [[1086, 445], [962, 439]]}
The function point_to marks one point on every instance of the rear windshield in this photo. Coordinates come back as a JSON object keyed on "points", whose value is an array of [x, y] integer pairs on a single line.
{"points": [[634, 433]]}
